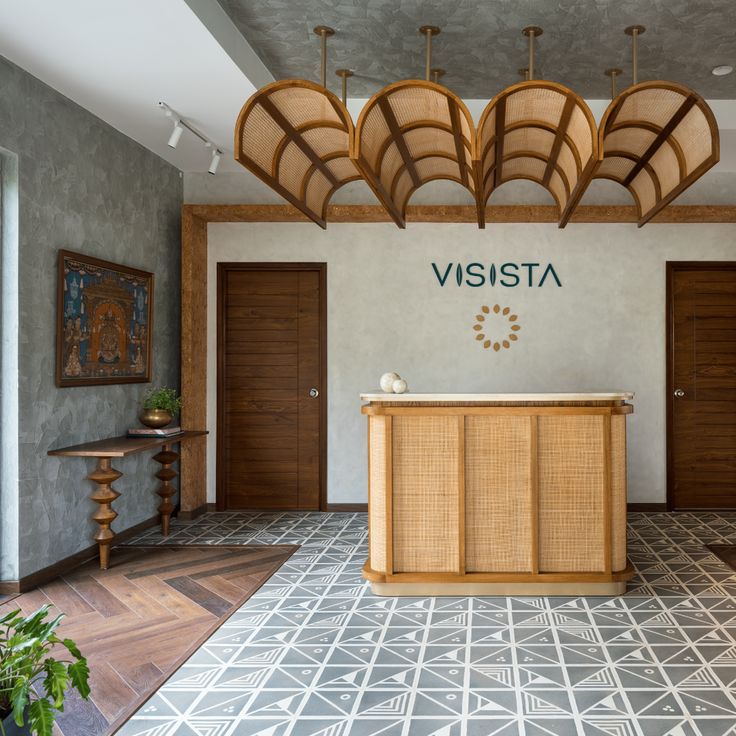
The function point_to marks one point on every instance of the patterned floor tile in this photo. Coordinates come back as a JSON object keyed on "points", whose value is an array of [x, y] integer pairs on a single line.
{"points": [[314, 653]]}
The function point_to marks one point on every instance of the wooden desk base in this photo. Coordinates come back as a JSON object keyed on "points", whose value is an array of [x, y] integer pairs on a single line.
{"points": [[499, 583], [498, 589]]}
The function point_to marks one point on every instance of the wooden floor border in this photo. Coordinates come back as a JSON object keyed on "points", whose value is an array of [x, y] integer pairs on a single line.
{"points": [[196, 217]]}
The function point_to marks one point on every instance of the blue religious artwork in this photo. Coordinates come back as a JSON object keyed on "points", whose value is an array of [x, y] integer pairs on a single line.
{"points": [[104, 323]]}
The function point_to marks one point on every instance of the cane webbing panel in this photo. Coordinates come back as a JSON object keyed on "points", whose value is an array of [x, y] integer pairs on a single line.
{"points": [[670, 133], [616, 167], [412, 120], [377, 490], [341, 168], [403, 189], [644, 190], [538, 140], [425, 494], [285, 131], [618, 492], [390, 165], [571, 492], [302, 105], [695, 130], [318, 190], [556, 124], [579, 130], [634, 141], [326, 142], [436, 167], [293, 167], [665, 163], [498, 505]]}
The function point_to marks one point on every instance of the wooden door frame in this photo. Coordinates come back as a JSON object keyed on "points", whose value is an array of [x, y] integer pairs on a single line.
{"points": [[223, 267], [194, 222], [671, 268]]}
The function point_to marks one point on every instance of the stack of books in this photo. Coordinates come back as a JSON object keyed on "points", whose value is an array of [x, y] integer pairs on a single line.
{"points": [[148, 432]]}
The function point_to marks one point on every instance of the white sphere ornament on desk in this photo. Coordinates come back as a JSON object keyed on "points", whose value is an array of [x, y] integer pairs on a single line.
{"points": [[399, 386], [387, 382]]}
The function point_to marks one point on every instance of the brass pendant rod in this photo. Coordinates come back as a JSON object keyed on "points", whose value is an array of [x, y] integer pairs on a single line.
{"points": [[323, 32], [344, 74], [531, 32], [436, 74], [613, 73], [524, 72], [634, 32], [428, 32]]}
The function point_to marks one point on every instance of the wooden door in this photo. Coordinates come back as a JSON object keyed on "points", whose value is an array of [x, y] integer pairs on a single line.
{"points": [[701, 385], [271, 388]]}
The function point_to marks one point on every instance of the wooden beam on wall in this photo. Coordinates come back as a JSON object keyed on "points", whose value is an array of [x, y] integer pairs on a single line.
{"points": [[459, 213], [193, 484]]}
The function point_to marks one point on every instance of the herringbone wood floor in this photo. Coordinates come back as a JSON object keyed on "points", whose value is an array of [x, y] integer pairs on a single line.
{"points": [[139, 620]]}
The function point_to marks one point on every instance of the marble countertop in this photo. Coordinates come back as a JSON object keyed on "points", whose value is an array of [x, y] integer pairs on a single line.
{"points": [[477, 398]]}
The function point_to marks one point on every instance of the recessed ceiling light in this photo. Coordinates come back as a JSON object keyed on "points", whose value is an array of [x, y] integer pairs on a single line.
{"points": [[722, 70]]}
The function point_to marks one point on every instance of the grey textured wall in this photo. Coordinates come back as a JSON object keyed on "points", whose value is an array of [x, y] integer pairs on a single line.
{"points": [[86, 187]]}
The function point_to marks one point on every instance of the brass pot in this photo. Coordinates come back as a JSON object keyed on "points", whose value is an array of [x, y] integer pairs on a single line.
{"points": [[155, 418]]}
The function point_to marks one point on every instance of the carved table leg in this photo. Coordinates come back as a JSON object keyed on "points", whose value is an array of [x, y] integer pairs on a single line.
{"points": [[104, 474], [167, 457]]}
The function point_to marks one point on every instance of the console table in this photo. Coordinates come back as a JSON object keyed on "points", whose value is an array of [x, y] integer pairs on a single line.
{"points": [[104, 475]]}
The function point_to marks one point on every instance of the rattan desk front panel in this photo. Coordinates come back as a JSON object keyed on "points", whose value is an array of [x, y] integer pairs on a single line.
{"points": [[494, 497]]}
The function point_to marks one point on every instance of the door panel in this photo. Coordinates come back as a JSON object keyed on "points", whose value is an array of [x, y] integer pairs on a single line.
{"points": [[270, 355], [702, 365]]}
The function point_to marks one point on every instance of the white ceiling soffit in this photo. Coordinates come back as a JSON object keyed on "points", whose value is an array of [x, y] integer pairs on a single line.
{"points": [[118, 60]]}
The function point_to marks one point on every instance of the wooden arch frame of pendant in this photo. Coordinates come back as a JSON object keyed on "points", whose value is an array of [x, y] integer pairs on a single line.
{"points": [[388, 150], [674, 154], [295, 136], [562, 125]]}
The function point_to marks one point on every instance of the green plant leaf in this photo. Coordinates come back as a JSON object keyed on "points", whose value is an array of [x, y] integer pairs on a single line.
{"points": [[55, 681], [11, 617], [19, 698], [41, 717], [79, 675], [73, 649], [165, 399]]}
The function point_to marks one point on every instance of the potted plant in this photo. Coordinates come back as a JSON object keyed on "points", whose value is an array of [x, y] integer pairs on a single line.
{"points": [[160, 406], [33, 684]]}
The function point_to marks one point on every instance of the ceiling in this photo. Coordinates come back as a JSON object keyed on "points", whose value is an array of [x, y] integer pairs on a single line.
{"points": [[481, 45]]}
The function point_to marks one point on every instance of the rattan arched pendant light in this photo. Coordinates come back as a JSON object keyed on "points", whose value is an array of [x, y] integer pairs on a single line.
{"points": [[656, 139], [540, 131], [411, 133], [295, 136]]}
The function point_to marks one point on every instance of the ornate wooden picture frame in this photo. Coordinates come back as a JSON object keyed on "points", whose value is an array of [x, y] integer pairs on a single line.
{"points": [[104, 322]]}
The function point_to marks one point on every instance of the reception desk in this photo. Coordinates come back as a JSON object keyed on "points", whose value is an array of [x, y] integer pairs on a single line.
{"points": [[497, 494]]}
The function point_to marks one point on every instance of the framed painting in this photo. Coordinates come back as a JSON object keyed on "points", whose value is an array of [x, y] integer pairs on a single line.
{"points": [[104, 322]]}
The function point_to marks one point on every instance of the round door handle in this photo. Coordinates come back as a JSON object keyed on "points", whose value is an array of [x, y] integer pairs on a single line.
{"points": [[313, 393], [679, 393]]}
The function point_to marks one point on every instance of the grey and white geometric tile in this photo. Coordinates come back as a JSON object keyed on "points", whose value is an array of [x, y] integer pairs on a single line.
{"points": [[314, 653]]}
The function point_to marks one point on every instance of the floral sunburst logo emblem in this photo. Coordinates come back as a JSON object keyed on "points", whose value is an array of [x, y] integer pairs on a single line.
{"points": [[504, 331]]}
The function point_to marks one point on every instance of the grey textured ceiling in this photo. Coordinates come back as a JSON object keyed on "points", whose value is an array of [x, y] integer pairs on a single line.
{"points": [[481, 45]]}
